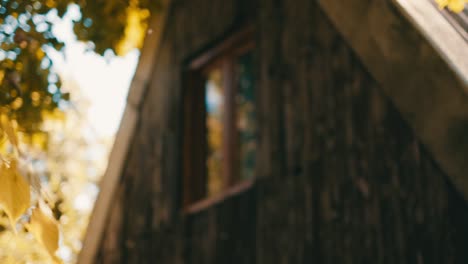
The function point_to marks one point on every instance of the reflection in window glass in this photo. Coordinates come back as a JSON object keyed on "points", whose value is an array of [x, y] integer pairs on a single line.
{"points": [[246, 120], [214, 100]]}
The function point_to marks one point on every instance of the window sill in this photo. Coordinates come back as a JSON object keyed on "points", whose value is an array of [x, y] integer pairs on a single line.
{"points": [[210, 202]]}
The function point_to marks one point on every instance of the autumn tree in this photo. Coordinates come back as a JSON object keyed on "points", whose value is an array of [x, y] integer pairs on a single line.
{"points": [[30, 93], [28, 86], [66, 176]]}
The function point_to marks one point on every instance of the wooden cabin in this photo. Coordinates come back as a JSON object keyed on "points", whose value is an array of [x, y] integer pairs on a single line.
{"points": [[279, 131]]}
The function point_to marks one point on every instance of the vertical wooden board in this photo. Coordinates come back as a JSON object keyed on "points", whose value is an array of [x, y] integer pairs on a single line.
{"points": [[224, 233], [271, 69]]}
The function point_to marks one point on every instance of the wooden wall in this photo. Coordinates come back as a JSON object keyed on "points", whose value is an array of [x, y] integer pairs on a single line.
{"points": [[341, 177]]}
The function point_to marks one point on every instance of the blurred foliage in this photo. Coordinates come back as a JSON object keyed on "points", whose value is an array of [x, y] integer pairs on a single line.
{"points": [[29, 88], [60, 171], [21, 198], [49, 164], [104, 22]]}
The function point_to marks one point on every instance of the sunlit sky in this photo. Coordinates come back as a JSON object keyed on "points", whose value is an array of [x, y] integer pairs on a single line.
{"points": [[103, 82]]}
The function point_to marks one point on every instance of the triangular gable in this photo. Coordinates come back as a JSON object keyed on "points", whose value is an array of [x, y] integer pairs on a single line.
{"points": [[429, 86]]}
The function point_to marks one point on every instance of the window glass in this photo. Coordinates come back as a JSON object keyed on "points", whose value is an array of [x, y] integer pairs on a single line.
{"points": [[246, 116], [214, 101]]}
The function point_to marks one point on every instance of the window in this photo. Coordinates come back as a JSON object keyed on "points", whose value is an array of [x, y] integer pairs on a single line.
{"points": [[220, 128]]}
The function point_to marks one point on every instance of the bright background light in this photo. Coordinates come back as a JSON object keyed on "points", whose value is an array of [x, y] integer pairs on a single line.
{"points": [[102, 83], [102, 80]]}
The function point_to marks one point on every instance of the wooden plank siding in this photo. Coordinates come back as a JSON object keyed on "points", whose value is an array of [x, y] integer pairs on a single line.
{"points": [[341, 177]]}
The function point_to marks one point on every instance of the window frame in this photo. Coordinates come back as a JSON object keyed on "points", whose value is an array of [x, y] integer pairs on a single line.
{"points": [[194, 171]]}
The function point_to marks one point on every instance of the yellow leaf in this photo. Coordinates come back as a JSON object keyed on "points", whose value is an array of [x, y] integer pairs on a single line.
{"points": [[9, 131], [135, 30], [456, 5], [45, 230], [8, 260], [53, 115], [40, 54], [15, 194], [39, 139], [442, 3], [17, 103]]}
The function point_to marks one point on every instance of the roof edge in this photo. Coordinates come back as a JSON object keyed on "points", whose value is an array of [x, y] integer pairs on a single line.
{"points": [[124, 136]]}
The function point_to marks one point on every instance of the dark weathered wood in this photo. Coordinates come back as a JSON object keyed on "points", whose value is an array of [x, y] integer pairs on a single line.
{"points": [[341, 177], [193, 140], [224, 233], [419, 81]]}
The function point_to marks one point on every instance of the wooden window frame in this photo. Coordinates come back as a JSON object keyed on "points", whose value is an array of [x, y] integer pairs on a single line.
{"points": [[194, 170]]}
